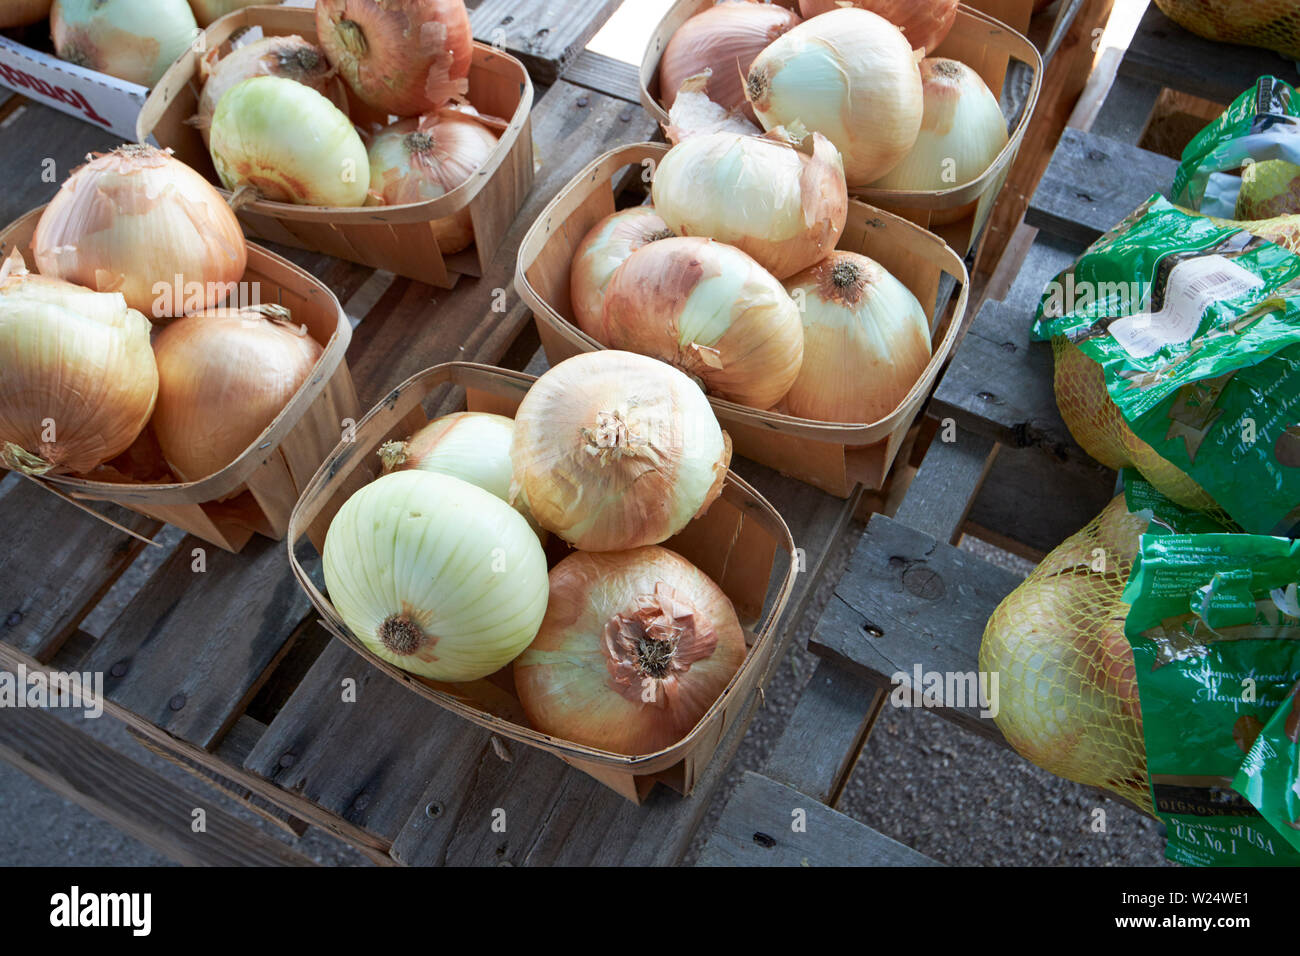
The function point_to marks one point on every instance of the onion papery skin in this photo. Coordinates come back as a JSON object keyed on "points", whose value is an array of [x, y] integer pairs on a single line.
{"points": [[140, 222], [133, 40], [962, 133], [866, 341], [290, 57], [785, 208], [925, 23], [208, 12], [224, 376], [78, 360], [435, 575], [21, 13], [725, 39], [849, 75], [614, 451], [636, 646], [711, 311], [404, 57], [606, 247], [289, 143]]}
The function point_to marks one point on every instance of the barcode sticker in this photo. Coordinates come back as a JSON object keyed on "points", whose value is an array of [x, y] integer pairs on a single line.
{"points": [[1194, 285]]}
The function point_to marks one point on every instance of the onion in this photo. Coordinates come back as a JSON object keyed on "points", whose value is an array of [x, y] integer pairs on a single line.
{"points": [[636, 646], [850, 76], [694, 113], [614, 451], [866, 341], [724, 39], [759, 194], [224, 376], [208, 12], [404, 57], [139, 222], [77, 376], [434, 575], [606, 247], [133, 40], [962, 133], [287, 143], [21, 13], [711, 311], [925, 23], [291, 57]]}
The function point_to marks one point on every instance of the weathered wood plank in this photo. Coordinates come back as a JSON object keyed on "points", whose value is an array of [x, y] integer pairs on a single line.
{"points": [[545, 34], [940, 496], [604, 74], [758, 829]]}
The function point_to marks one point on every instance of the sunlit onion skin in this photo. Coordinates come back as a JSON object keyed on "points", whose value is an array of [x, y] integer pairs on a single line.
{"points": [[77, 375], [866, 341], [208, 12], [711, 311], [290, 57], [636, 646], [849, 75], [405, 57], [604, 249], [614, 451], [725, 39], [21, 13], [133, 40], [133, 221], [224, 375], [925, 23]]}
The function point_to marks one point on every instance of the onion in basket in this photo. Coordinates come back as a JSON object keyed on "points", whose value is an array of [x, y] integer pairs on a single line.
{"points": [[636, 646], [133, 40], [866, 341], [604, 249], [435, 575], [614, 451], [925, 23]]}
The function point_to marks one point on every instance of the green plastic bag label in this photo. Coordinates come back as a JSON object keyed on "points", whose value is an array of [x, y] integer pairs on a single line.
{"points": [[1269, 777]]}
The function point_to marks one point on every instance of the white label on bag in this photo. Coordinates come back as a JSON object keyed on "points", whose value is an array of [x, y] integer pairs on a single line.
{"points": [[1194, 285]]}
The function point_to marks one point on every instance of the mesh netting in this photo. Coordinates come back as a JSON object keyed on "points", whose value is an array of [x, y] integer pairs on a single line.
{"points": [[1271, 24], [1067, 688]]}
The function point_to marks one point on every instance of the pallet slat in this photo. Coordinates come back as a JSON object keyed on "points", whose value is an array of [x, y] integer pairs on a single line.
{"points": [[545, 34], [604, 74]]}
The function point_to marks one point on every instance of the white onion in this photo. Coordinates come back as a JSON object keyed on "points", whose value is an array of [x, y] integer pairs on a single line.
{"points": [[133, 40]]}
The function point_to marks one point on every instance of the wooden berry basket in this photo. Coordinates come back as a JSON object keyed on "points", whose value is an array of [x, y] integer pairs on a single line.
{"points": [[256, 492], [832, 456], [397, 238], [982, 42], [735, 543]]}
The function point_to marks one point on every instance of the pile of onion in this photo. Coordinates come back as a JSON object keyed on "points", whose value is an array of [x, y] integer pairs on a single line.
{"points": [[224, 376], [139, 222], [77, 376], [133, 40], [613, 451], [925, 23], [21, 13], [713, 312], [866, 341], [636, 646], [607, 246]]}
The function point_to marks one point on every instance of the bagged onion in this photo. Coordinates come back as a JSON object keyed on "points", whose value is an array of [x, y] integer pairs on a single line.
{"points": [[133, 40], [614, 451], [636, 646], [604, 249], [139, 222], [77, 376], [759, 194], [866, 341], [849, 75], [711, 311], [434, 575], [288, 143], [224, 376], [925, 23]]}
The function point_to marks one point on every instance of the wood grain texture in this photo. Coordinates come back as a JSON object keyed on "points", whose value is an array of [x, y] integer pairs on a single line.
{"points": [[545, 35], [604, 74], [950, 476]]}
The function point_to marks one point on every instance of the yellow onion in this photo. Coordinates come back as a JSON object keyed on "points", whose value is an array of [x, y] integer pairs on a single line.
{"points": [[435, 575], [760, 194], [849, 75], [711, 311], [866, 341], [133, 40], [288, 143], [223, 377], [139, 222], [291, 57], [77, 376], [724, 39], [694, 113], [606, 247], [404, 57], [962, 133], [614, 451], [636, 646], [208, 12], [21, 13], [925, 23]]}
